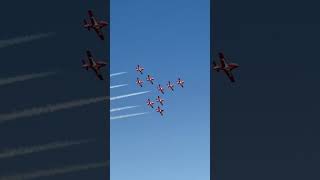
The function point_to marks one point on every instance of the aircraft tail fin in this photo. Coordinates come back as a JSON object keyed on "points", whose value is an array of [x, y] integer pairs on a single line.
{"points": [[86, 25], [84, 64]]}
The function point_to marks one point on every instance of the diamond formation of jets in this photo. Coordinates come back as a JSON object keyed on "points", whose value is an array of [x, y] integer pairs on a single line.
{"points": [[161, 89], [170, 86], [160, 100], [160, 110], [95, 25], [139, 69], [139, 82], [180, 82], [150, 79], [150, 103], [225, 66], [93, 64]]}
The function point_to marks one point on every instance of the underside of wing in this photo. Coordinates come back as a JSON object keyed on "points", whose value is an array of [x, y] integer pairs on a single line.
{"points": [[230, 76]]}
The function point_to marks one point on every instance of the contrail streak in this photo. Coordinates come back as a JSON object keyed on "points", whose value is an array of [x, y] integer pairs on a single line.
{"points": [[55, 172], [19, 40], [25, 77], [127, 116], [49, 108], [116, 86], [58, 107], [122, 108], [117, 74], [128, 95], [45, 147]]}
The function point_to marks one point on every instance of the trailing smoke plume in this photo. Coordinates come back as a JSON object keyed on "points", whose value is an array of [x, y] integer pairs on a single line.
{"points": [[127, 116], [39, 148], [25, 77], [55, 172], [58, 107], [23, 39]]}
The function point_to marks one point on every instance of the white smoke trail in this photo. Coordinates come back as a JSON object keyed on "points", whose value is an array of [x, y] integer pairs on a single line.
{"points": [[128, 95], [58, 107], [122, 108], [19, 40], [127, 116], [55, 172], [116, 86], [25, 77], [117, 74], [39, 148], [49, 108]]}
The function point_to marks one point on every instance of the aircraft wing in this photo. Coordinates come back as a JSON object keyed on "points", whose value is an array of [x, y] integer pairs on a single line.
{"points": [[230, 76], [100, 34], [98, 74], [101, 63]]}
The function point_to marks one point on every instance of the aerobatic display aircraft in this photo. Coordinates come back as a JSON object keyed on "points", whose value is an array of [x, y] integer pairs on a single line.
{"points": [[160, 89], [180, 82], [150, 103], [95, 25], [160, 100], [160, 110], [170, 86], [150, 79], [139, 69], [93, 64], [139, 82], [226, 67]]}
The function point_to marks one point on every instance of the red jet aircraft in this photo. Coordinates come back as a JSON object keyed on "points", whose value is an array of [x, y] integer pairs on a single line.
{"points": [[150, 103], [139, 82], [226, 67], [150, 79], [139, 69], [160, 110], [160, 100], [95, 24], [94, 65], [170, 86], [160, 89], [180, 82]]}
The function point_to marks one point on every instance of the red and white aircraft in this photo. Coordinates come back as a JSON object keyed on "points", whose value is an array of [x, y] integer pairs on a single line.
{"points": [[95, 25], [180, 82], [160, 89], [94, 65], [139, 82], [150, 103], [139, 69], [160, 110], [160, 100], [226, 67], [170, 86], [150, 79]]}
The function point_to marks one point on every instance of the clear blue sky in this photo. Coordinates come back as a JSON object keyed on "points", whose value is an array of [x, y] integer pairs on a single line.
{"points": [[170, 38]]}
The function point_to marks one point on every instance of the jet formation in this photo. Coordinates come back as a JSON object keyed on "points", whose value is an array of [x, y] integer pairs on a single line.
{"points": [[160, 88], [92, 63], [225, 66]]}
